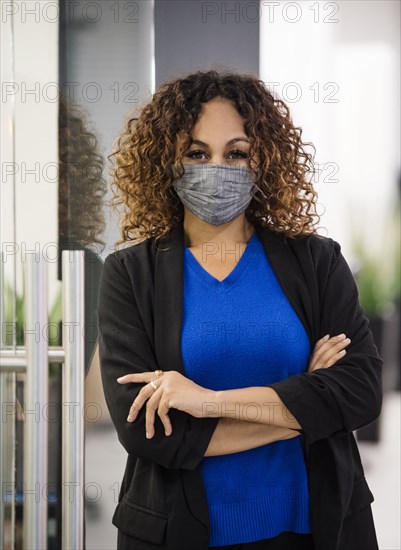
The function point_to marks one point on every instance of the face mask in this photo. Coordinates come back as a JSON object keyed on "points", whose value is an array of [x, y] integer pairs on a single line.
{"points": [[216, 193]]}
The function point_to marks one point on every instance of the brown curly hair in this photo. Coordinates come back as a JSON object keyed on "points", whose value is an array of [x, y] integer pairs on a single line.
{"points": [[283, 196], [81, 182]]}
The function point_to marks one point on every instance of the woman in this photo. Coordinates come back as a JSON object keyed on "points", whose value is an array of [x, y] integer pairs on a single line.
{"points": [[223, 334]]}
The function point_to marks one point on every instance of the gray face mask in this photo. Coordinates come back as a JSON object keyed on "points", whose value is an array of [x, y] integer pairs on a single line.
{"points": [[216, 193]]}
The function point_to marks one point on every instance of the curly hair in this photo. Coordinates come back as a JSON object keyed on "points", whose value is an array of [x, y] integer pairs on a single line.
{"points": [[283, 198], [81, 182]]}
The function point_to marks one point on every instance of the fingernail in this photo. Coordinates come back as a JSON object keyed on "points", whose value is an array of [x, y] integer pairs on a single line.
{"points": [[326, 337], [148, 435], [129, 418], [167, 432]]}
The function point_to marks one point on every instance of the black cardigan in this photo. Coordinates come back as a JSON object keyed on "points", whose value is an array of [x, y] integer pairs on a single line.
{"points": [[162, 503]]}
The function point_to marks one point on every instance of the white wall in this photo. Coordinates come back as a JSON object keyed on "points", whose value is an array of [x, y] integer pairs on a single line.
{"points": [[354, 122], [29, 144]]}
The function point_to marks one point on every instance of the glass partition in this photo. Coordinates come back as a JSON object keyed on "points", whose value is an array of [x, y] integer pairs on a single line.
{"points": [[71, 71]]}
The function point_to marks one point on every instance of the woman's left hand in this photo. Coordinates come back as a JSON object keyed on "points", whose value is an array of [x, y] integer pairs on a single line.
{"points": [[174, 391]]}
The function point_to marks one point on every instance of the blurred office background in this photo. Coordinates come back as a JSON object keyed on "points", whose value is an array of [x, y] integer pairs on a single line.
{"points": [[336, 64]]}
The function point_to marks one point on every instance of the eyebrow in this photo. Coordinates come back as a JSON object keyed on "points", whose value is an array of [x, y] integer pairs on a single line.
{"points": [[234, 140]]}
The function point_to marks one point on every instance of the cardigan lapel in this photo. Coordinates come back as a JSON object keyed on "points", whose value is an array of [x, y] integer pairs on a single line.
{"points": [[289, 272], [168, 306]]}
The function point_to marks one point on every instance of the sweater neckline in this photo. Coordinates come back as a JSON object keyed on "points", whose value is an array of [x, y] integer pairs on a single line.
{"points": [[233, 276]]}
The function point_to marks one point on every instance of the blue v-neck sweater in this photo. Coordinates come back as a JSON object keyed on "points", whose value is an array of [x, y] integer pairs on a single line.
{"points": [[239, 333]]}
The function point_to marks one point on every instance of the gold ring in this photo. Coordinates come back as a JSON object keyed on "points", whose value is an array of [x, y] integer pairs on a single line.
{"points": [[153, 385], [158, 373]]}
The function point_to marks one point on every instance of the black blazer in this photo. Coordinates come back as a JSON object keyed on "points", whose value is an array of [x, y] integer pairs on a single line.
{"points": [[162, 503]]}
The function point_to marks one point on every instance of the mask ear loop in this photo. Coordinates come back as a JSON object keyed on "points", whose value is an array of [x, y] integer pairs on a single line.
{"points": [[255, 188], [173, 171]]}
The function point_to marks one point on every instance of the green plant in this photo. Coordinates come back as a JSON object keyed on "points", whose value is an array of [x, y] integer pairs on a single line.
{"points": [[379, 278], [17, 325]]}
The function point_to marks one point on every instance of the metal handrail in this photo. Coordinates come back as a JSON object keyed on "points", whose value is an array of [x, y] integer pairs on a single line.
{"points": [[16, 361], [33, 359], [36, 396], [73, 473]]}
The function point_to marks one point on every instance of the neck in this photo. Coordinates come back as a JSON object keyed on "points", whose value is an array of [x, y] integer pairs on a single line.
{"points": [[198, 232]]}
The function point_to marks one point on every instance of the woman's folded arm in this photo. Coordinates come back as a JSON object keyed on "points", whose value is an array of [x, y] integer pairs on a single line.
{"points": [[124, 348], [347, 395], [234, 436]]}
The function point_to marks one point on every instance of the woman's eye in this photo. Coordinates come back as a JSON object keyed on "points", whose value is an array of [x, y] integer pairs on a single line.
{"points": [[236, 154], [239, 154], [194, 154]]}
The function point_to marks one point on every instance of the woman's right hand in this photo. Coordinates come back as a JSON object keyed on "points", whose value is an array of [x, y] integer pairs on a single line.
{"points": [[328, 351]]}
